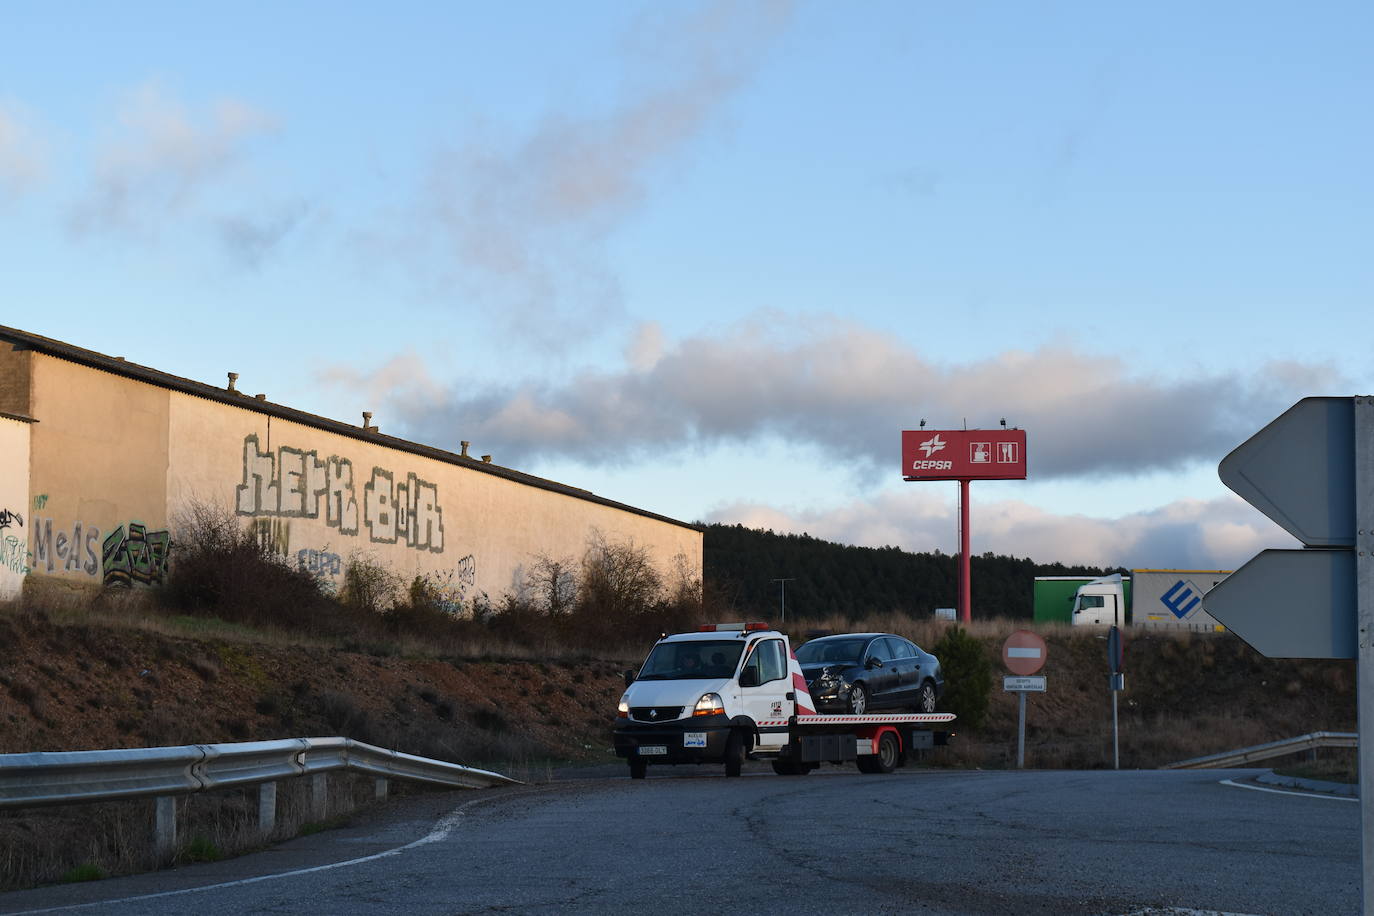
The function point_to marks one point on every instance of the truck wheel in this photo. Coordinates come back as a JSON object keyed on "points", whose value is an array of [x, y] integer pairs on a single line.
{"points": [[885, 761], [639, 768], [925, 700], [858, 700], [734, 753], [786, 766]]}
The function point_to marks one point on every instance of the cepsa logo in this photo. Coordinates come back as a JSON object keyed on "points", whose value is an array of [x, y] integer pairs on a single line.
{"points": [[930, 447]]}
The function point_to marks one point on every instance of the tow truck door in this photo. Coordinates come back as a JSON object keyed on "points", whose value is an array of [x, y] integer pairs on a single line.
{"points": [[767, 703]]}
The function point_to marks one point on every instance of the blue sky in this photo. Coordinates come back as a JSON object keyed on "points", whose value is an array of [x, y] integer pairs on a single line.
{"points": [[710, 258]]}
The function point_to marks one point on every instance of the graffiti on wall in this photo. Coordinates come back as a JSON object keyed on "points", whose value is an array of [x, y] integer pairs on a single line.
{"points": [[136, 556], [14, 554], [454, 586], [74, 552], [8, 517], [319, 562], [40, 501], [292, 483]]}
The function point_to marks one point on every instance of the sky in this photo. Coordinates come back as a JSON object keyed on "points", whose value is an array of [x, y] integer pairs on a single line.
{"points": [[709, 259]]}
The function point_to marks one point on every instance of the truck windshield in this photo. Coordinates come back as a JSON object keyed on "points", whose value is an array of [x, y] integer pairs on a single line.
{"points": [[832, 652], [675, 661]]}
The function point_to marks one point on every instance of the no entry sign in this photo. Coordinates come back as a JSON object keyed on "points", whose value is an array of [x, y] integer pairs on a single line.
{"points": [[1024, 652]]}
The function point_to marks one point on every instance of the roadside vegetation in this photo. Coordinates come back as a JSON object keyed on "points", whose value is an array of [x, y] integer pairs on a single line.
{"points": [[243, 645]]}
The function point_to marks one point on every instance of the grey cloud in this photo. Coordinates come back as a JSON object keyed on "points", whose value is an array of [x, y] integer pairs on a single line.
{"points": [[524, 217], [250, 240], [162, 160], [849, 390], [1221, 533]]}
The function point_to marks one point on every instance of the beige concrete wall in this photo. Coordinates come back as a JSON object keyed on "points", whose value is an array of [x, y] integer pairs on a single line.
{"points": [[15, 514], [323, 498], [116, 462]]}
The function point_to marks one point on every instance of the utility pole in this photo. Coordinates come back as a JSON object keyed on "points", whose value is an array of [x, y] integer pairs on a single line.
{"points": [[784, 596]]}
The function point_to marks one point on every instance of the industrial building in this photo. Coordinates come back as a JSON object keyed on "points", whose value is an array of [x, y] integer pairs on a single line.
{"points": [[101, 457]]}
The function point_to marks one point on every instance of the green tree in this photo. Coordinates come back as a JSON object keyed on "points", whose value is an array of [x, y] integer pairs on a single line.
{"points": [[968, 677]]}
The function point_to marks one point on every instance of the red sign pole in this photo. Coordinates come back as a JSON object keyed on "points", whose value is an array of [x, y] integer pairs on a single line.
{"points": [[965, 588]]}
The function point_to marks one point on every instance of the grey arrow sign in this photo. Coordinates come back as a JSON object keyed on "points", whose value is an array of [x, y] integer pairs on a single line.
{"points": [[1315, 592], [1300, 471]]}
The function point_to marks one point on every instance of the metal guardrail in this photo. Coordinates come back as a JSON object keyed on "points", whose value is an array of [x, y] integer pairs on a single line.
{"points": [[1265, 751], [65, 777]]}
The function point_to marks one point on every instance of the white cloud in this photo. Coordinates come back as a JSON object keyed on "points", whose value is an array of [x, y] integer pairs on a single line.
{"points": [[523, 216], [847, 391], [163, 159], [1189, 534], [23, 159]]}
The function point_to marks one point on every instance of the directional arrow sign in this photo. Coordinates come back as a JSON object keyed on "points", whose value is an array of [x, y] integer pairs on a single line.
{"points": [[1300, 471], [1291, 603]]}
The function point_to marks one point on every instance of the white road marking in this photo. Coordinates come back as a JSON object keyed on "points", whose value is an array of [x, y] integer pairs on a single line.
{"points": [[1241, 785], [440, 832]]}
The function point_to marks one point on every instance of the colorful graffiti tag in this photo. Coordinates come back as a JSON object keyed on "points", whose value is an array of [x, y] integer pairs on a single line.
{"points": [[136, 557], [319, 562], [292, 483], [14, 554], [8, 517]]}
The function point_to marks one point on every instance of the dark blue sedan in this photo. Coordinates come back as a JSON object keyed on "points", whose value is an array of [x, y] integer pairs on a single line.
{"points": [[859, 672]]}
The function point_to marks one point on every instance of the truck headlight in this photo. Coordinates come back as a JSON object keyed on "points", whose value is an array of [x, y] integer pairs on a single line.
{"points": [[710, 704], [623, 710]]}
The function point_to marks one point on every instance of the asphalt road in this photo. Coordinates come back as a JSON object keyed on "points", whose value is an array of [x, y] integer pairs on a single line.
{"points": [[692, 841]]}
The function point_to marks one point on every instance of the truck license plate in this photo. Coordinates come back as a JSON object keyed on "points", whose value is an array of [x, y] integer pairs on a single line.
{"points": [[652, 750], [694, 739]]}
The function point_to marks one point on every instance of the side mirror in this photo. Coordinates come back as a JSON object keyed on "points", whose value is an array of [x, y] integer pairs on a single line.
{"points": [[873, 663], [749, 677], [629, 676]]}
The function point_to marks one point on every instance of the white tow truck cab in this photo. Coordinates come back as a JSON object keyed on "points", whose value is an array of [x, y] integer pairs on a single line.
{"points": [[734, 691]]}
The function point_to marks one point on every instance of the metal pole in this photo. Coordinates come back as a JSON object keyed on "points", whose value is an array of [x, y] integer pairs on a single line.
{"points": [[784, 595], [1021, 732], [1116, 753], [965, 592], [1364, 616]]}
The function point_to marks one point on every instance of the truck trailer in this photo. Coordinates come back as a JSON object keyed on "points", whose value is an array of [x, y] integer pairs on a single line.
{"points": [[731, 692], [1149, 599]]}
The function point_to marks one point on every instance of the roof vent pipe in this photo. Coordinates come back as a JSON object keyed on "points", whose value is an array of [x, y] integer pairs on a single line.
{"points": [[367, 419], [486, 459], [233, 377], [465, 443], [260, 397]]}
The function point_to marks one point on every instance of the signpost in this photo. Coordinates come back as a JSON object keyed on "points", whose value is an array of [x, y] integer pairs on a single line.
{"points": [[1024, 654], [1118, 683], [1312, 471], [964, 455]]}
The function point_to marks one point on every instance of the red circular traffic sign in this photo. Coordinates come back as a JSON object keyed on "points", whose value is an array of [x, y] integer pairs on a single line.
{"points": [[1024, 652]]}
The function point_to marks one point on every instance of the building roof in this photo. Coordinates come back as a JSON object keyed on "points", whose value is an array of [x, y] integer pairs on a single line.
{"points": [[117, 365]]}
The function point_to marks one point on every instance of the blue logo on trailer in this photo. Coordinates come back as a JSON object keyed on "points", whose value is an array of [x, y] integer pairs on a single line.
{"points": [[1181, 598]]}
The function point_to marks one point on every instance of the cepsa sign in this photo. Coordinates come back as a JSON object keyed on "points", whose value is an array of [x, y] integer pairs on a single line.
{"points": [[964, 454]]}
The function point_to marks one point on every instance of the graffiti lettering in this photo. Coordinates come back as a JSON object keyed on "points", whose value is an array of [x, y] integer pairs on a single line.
{"points": [[40, 501], [273, 534], [319, 562], [8, 518], [410, 510], [293, 482], [76, 551], [139, 557], [14, 555]]}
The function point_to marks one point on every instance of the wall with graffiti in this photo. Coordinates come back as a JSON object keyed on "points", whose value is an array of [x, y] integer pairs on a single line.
{"points": [[14, 506], [117, 461]]}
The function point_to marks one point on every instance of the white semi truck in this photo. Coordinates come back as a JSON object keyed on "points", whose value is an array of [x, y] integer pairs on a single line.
{"points": [[731, 692], [1157, 598]]}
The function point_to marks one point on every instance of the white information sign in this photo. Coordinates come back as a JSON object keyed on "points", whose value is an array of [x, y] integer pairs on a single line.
{"points": [[1024, 684]]}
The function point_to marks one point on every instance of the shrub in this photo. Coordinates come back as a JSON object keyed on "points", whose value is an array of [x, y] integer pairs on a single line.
{"points": [[968, 677]]}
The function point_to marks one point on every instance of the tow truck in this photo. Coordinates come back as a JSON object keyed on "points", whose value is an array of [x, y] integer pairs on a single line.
{"points": [[734, 691]]}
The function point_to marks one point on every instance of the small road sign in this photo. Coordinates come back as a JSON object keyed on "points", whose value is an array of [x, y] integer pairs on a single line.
{"points": [[1114, 649], [1024, 652], [1018, 684]]}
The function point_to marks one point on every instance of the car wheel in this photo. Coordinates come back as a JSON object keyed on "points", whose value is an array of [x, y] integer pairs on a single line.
{"points": [[858, 700], [885, 761], [925, 700], [734, 753], [639, 767]]}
